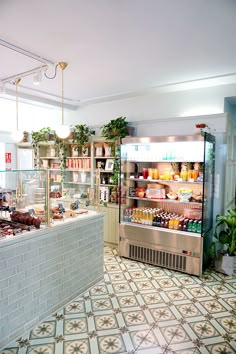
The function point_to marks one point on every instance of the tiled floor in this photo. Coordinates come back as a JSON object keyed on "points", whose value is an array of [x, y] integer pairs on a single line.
{"points": [[141, 309]]}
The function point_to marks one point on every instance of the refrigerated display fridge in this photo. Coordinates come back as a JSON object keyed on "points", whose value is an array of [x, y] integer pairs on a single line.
{"points": [[166, 202]]}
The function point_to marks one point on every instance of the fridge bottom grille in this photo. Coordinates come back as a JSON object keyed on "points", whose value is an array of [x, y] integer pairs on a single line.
{"points": [[159, 258]]}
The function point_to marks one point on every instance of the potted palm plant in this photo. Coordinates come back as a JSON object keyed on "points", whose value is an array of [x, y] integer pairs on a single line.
{"points": [[225, 235]]}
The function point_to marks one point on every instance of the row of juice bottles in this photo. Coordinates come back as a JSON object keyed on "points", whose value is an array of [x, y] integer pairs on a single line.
{"points": [[159, 218]]}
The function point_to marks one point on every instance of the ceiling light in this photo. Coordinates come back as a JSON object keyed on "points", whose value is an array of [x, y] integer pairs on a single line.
{"points": [[17, 135], [62, 131], [37, 78]]}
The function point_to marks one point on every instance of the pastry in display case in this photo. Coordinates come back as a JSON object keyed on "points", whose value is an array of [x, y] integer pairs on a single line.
{"points": [[22, 197], [74, 195], [166, 210]]}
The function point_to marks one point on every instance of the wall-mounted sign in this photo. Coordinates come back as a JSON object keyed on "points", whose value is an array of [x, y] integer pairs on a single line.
{"points": [[8, 157]]}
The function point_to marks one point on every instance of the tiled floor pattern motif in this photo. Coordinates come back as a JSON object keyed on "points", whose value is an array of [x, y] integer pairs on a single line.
{"points": [[141, 309]]}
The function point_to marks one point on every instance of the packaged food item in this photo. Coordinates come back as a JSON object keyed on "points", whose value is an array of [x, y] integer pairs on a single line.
{"points": [[193, 213], [140, 192]]}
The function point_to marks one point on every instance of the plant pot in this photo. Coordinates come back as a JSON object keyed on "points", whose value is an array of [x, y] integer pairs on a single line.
{"points": [[130, 130], [74, 151], [225, 264], [85, 151]]}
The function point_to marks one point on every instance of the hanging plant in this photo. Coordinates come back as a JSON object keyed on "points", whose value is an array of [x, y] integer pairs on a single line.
{"points": [[41, 135], [116, 129], [62, 148]]}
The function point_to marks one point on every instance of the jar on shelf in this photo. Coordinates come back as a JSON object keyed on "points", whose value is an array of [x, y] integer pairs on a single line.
{"points": [[98, 150], [107, 149]]}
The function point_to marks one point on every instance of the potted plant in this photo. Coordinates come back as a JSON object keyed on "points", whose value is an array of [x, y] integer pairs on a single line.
{"points": [[115, 129], [41, 135], [81, 135], [225, 235]]}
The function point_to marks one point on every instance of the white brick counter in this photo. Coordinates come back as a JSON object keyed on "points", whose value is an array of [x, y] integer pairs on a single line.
{"points": [[42, 270]]}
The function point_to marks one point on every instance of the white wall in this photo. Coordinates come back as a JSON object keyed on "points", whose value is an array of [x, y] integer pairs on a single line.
{"points": [[159, 105], [31, 116], [156, 105]]}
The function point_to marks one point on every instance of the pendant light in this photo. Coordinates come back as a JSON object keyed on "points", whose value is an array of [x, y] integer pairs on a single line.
{"points": [[17, 135], [62, 131]]}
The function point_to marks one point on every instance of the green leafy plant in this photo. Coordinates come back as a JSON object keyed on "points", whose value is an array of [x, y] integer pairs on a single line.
{"points": [[62, 148], [115, 129], [225, 233], [40, 135], [82, 134]]}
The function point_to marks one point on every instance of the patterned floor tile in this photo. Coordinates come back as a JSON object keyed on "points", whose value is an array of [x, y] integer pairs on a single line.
{"points": [[79, 346], [176, 295], [132, 265], [157, 273], [188, 310], [162, 314], [198, 292], [137, 274], [113, 267], [101, 304], [111, 344], [231, 301], [187, 280], [141, 309], [220, 348], [213, 306], [152, 298], [144, 340], [228, 323], [103, 322], [74, 307], [127, 301], [166, 283], [117, 276], [188, 351], [122, 287], [134, 318], [98, 290], [42, 348], [75, 326], [175, 334], [204, 329], [10, 351], [44, 330], [144, 285], [220, 289]]}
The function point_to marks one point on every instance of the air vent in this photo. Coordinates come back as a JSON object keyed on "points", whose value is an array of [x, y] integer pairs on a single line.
{"points": [[159, 258]]}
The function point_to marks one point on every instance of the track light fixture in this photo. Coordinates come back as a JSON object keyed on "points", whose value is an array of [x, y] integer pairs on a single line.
{"points": [[37, 78]]}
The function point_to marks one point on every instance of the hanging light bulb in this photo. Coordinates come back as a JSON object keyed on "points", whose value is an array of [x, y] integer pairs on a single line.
{"points": [[17, 135], [62, 131]]}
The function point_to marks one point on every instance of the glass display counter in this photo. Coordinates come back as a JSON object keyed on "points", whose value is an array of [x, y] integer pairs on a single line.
{"points": [[32, 199]]}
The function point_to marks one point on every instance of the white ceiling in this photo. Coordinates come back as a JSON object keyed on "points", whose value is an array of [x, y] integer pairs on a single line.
{"points": [[118, 47]]}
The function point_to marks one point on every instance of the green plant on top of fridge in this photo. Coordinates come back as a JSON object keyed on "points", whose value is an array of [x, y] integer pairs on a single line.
{"points": [[115, 129]]}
